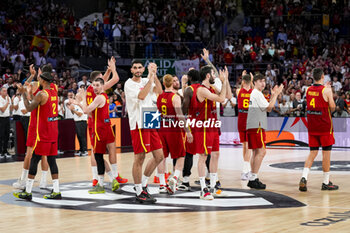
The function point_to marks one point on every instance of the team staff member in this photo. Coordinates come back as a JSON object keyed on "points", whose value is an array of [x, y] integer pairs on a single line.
{"points": [[5, 108], [320, 104], [257, 124]]}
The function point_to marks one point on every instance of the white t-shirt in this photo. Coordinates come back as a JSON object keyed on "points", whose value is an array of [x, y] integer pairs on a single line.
{"points": [[16, 112], [82, 83], [79, 118], [337, 86], [3, 101], [133, 104], [257, 117], [68, 113], [229, 110], [116, 31], [21, 107]]}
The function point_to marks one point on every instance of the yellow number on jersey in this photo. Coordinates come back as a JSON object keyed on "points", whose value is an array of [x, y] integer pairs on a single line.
{"points": [[164, 110], [54, 109], [246, 103], [89, 100], [312, 102]]}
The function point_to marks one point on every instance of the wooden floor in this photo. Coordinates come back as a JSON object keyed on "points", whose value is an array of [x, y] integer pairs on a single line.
{"points": [[319, 204]]}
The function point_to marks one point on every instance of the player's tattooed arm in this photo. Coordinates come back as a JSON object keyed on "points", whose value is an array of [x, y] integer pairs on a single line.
{"points": [[36, 101], [187, 100], [205, 57]]}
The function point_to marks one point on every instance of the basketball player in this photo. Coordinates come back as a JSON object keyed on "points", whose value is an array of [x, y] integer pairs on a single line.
{"points": [[45, 105], [138, 94], [256, 125], [243, 96], [207, 138], [189, 108], [320, 104], [32, 90], [172, 137], [90, 96], [102, 136]]}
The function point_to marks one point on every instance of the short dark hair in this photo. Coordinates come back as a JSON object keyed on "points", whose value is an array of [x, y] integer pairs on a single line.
{"points": [[258, 77], [204, 71], [193, 75], [46, 68], [94, 74], [246, 78], [317, 74], [136, 61], [100, 80]]}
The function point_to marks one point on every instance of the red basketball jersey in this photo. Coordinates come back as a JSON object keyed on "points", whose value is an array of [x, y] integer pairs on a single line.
{"points": [[101, 120], [192, 108], [207, 109], [243, 106], [90, 96], [47, 118], [165, 105], [318, 112]]}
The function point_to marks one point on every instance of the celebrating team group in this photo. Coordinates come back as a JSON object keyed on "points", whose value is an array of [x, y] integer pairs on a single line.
{"points": [[189, 125]]}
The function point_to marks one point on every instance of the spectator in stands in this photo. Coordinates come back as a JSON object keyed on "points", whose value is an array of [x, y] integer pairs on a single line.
{"points": [[67, 111], [84, 81], [112, 107], [229, 107], [299, 106]]}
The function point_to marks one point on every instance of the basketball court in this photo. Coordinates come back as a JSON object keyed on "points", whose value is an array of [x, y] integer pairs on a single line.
{"points": [[281, 208]]}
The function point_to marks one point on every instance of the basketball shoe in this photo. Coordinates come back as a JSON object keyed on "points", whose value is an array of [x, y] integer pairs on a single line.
{"points": [[206, 195], [121, 180], [19, 184], [23, 195], [97, 189], [329, 186], [53, 195], [256, 184], [302, 185]]}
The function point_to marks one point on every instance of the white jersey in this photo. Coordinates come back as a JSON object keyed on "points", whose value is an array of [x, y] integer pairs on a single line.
{"points": [[134, 105], [21, 107], [3, 102], [16, 112], [257, 117]]}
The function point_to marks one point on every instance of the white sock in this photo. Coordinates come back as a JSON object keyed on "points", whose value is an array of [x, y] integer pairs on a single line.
{"points": [[162, 179], [94, 172], [29, 185], [156, 172], [246, 167], [213, 179], [24, 175], [253, 176], [306, 171], [43, 179], [138, 188], [186, 179], [202, 181], [110, 176], [144, 180], [326, 177], [177, 174], [101, 180], [56, 186], [114, 168]]}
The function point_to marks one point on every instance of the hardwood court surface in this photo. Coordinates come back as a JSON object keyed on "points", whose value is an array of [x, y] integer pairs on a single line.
{"points": [[319, 204]]}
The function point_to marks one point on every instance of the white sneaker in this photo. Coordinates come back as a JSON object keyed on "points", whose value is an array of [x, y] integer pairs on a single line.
{"points": [[163, 189], [172, 185], [245, 176], [8, 156], [206, 195], [217, 193], [19, 184]]}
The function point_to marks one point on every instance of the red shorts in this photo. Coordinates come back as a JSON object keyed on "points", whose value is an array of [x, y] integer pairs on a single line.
{"points": [[145, 140], [207, 141], [173, 143], [243, 136], [45, 148], [191, 148], [90, 129], [321, 140], [101, 140], [256, 138], [31, 138]]}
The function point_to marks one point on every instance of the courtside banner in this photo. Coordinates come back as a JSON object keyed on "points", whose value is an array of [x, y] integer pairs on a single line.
{"points": [[164, 66], [182, 66], [286, 131]]}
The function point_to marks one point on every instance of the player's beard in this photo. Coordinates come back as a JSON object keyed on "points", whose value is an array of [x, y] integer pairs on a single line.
{"points": [[137, 74], [211, 80], [176, 87]]}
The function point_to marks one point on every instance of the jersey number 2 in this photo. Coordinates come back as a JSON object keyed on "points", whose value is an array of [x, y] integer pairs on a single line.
{"points": [[54, 109]]}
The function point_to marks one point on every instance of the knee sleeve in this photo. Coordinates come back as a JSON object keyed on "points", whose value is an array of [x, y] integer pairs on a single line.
{"points": [[100, 164], [33, 168], [327, 148], [51, 160], [313, 148]]}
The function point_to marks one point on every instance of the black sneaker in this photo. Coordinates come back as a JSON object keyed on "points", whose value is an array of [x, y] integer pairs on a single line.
{"points": [[329, 186], [302, 185], [218, 185], [256, 184], [144, 198], [145, 189], [184, 186]]}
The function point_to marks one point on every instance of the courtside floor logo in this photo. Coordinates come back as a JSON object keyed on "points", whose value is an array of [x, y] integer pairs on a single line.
{"points": [[316, 166], [75, 196]]}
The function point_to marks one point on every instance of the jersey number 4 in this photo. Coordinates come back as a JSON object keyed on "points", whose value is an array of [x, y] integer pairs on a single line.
{"points": [[312, 102]]}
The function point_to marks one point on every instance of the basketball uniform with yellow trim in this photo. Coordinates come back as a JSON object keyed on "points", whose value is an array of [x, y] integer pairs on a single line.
{"points": [[320, 125], [243, 106], [90, 96], [102, 130], [172, 137]]}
